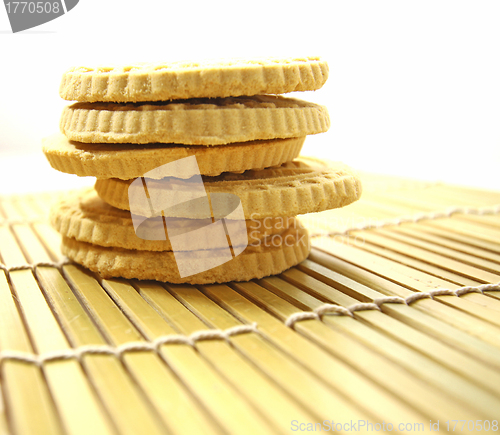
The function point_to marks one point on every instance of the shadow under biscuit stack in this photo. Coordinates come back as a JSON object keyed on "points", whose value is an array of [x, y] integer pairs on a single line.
{"points": [[130, 121]]}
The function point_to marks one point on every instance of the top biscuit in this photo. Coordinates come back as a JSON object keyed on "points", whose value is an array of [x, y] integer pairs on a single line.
{"points": [[182, 80]]}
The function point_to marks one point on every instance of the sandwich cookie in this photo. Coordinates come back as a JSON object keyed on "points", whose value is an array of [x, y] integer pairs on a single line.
{"points": [[272, 256], [305, 185], [127, 161], [187, 79], [85, 217], [206, 121]]}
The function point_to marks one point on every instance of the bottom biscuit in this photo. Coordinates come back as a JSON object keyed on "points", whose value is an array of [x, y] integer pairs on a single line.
{"points": [[270, 257], [85, 217]]}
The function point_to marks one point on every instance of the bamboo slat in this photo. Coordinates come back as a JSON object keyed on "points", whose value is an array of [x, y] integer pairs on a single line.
{"points": [[31, 408], [389, 321], [336, 373], [423, 399]]}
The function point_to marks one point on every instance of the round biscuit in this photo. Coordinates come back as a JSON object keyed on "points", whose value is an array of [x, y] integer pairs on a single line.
{"points": [[208, 122], [304, 185], [269, 258], [85, 217], [127, 161], [187, 79]]}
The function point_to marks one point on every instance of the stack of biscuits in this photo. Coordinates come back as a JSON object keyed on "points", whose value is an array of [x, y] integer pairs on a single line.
{"points": [[165, 131]]}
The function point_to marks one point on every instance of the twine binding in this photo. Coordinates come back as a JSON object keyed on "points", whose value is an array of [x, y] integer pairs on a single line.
{"points": [[338, 310], [478, 211], [21, 221], [27, 266], [135, 346], [317, 313]]}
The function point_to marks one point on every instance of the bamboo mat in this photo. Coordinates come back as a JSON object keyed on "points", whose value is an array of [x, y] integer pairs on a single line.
{"points": [[389, 326]]}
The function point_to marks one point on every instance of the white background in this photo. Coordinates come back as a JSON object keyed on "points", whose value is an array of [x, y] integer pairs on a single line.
{"points": [[414, 86]]}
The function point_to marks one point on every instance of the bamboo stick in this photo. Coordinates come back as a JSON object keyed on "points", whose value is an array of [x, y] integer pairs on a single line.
{"points": [[70, 389], [50, 239], [407, 237], [30, 406], [271, 401], [378, 402], [10, 252], [145, 390], [454, 266], [362, 365], [269, 325], [422, 366], [447, 240], [291, 377], [412, 265], [474, 309], [449, 234], [30, 244], [486, 220], [10, 211], [467, 229], [373, 271], [408, 334], [213, 391], [4, 430], [421, 396]]}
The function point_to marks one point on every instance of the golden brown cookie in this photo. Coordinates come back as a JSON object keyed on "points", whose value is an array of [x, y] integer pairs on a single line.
{"points": [[186, 79], [132, 161], [272, 256], [85, 217], [206, 121], [305, 185]]}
